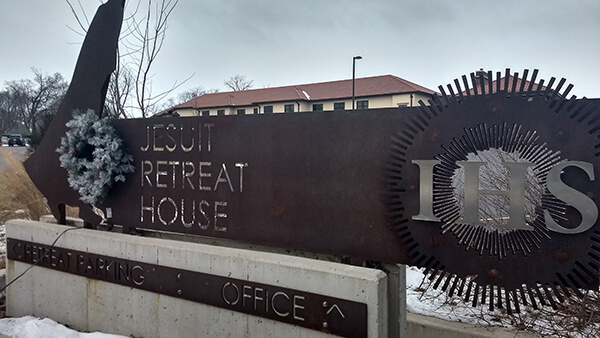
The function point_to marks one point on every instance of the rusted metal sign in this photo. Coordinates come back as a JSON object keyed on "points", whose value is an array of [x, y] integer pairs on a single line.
{"points": [[386, 185], [412, 184], [314, 311], [491, 188], [297, 181]]}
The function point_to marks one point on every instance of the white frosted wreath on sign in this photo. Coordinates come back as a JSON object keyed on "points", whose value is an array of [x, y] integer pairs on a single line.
{"points": [[93, 155]]}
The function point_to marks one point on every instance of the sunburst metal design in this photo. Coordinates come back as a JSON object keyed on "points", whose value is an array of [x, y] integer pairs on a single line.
{"points": [[509, 117], [495, 145]]}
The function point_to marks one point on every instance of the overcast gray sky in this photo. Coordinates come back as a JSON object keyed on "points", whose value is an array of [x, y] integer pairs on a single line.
{"points": [[283, 42]]}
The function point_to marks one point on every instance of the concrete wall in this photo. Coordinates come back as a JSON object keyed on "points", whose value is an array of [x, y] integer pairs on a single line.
{"points": [[429, 327], [93, 305], [88, 304]]}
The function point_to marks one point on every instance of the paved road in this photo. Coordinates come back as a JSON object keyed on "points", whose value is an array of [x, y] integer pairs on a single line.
{"points": [[15, 151]]}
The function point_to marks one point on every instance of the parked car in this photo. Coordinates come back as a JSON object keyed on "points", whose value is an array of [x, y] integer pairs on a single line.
{"points": [[4, 141], [16, 140]]}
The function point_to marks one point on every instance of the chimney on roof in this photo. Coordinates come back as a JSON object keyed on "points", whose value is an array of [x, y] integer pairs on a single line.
{"points": [[479, 75]]}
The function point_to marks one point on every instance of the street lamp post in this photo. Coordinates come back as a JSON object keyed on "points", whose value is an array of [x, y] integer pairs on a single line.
{"points": [[358, 57]]}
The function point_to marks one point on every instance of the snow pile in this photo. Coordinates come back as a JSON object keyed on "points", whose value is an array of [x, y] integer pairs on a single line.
{"points": [[31, 327], [422, 299]]}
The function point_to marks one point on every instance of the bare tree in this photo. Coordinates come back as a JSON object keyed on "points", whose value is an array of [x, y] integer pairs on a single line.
{"points": [[8, 110], [148, 36], [32, 101], [239, 83], [142, 37], [185, 96], [193, 93], [494, 176], [119, 90]]}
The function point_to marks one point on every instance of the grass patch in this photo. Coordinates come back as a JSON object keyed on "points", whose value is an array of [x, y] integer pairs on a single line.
{"points": [[19, 197]]}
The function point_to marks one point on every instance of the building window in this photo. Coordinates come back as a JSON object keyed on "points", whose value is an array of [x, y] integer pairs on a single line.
{"points": [[317, 107], [221, 112], [339, 106], [268, 110], [255, 110], [241, 111], [362, 104], [288, 108], [206, 113]]}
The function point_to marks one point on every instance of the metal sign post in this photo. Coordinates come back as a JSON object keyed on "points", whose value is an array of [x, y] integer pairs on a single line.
{"points": [[397, 321]]}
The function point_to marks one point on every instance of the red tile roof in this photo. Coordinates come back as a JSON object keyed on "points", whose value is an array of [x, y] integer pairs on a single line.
{"points": [[368, 86], [502, 81]]}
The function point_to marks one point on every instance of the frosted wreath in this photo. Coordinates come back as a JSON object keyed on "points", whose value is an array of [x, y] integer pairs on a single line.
{"points": [[94, 156]]}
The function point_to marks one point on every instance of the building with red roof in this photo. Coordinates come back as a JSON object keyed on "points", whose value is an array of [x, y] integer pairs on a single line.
{"points": [[370, 92]]}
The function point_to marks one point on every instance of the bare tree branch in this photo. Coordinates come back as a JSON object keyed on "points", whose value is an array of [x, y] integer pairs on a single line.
{"points": [[142, 38], [239, 82], [82, 26], [31, 101]]}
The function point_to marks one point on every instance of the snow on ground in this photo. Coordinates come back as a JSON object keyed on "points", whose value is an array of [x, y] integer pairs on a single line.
{"points": [[423, 299], [31, 327]]}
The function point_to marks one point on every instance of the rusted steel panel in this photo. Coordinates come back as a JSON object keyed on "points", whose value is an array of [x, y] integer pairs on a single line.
{"points": [[95, 64], [310, 181]]}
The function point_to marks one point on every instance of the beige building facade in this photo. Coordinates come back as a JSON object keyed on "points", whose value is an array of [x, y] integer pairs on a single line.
{"points": [[371, 92]]}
